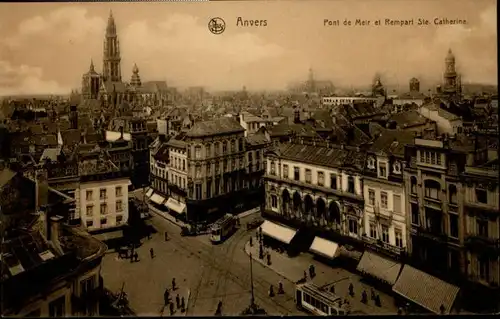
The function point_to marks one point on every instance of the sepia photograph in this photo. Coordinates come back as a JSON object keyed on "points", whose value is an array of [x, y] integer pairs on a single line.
{"points": [[249, 158]]}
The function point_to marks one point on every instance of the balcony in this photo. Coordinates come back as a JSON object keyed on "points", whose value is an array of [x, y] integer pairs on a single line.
{"points": [[433, 203], [380, 246], [482, 207], [432, 234], [481, 242]]}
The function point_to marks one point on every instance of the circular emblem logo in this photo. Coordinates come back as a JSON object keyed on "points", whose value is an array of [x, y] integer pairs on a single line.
{"points": [[216, 25]]}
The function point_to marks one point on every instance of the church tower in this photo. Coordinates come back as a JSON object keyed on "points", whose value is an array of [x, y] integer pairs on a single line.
{"points": [[111, 57], [91, 82], [135, 80], [450, 74]]}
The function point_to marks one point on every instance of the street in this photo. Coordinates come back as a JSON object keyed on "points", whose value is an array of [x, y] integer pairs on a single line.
{"points": [[212, 273]]}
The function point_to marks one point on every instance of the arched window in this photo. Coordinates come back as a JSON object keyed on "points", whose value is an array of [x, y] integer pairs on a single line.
{"points": [[197, 152], [233, 146], [350, 185], [216, 148]]}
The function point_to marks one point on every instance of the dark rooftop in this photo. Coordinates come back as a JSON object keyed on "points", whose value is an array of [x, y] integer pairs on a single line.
{"points": [[223, 125]]}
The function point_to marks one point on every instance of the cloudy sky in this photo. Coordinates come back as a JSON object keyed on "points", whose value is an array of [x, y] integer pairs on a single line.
{"points": [[45, 48]]}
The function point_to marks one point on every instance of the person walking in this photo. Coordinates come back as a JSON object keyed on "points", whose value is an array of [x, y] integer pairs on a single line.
{"points": [[172, 311], [136, 257], [271, 291], [166, 296], [183, 305], [178, 301], [173, 284], [151, 253], [351, 290], [364, 297], [280, 288], [166, 236]]}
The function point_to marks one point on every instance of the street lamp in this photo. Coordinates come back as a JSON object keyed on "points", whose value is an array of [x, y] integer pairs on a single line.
{"points": [[253, 308]]}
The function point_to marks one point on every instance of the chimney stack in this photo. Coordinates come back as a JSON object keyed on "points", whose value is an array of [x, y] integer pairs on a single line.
{"points": [[55, 232], [42, 191]]}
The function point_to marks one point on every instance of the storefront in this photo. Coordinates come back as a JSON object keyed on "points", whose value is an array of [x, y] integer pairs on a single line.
{"points": [[276, 234], [325, 248], [176, 208]]}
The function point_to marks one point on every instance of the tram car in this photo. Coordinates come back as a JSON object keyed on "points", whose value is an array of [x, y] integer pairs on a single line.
{"points": [[320, 302], [223, 229]]}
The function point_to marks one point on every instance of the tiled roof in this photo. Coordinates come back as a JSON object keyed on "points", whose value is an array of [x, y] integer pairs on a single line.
{"points": [[329, 157], [385, 269], [425, 290], [284, 129], [249, 117], [50, 154], [257, 139], [393, 142], [176, 143], [218, 126], [408, 118]]}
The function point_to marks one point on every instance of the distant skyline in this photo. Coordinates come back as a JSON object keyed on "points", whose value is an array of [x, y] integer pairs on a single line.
{"points": [[46, 47]]}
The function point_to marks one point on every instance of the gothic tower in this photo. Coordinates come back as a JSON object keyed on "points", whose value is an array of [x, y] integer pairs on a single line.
{"points": [[414, 85], [135, 80], [91, 81], [311, 84], [111, 57], [450, 74]]}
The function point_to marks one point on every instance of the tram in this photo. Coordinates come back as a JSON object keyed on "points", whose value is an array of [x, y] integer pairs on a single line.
{"points": [[319, 302], [223, 228]]}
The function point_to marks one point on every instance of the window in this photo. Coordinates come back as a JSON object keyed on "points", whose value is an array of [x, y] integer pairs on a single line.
{"points": [[273, 168], [371, 197], [453, 225], [321, 178], [398, 234], [482, 227], [285, 171], [224, 166], [415, 214], [90, 210], [353, 226], [118, 191], [104, 209], [385, 233], [233, 164], [383, 199], [274, 201], [89, 195], [217, 167], [197, 152], [198, 191], [216, 148], [308, 175], [430, 158], [296, 173], [396, 168], [484, 268], [209, 189], [57, 307], [240, 145], [104, 221], [452, 190], [371, 163], [432, 189], [183, 164], [102, 194], [396, 203], [413, 182], [481, 196], [119, 219], [119, 207], [209, 166], [233, 146], [382, 169], [373, 230], [87, 286], [224, 148], [198, 171], [250, 159], [217, 186], [333, 181], [350, 184], [90, 223]]}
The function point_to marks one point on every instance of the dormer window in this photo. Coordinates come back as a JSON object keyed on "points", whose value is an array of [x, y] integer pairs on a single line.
{"points": [[371, 163], [382, 169], [396, 168]]}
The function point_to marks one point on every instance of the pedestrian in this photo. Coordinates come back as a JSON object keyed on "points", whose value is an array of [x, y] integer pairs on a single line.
{"points": [[269, 259], [152, 253], [271, 291], [400, 311], [280, 288], [311, 271], [183, 305], [442, 309], [378, 303], [173, 284], [372, 293], [166, 236], [351, 290], [364, 297], [136, 256], [172, 311], [178, 301], [218, 312], [251, 242], [131, 257], [166, 296]]}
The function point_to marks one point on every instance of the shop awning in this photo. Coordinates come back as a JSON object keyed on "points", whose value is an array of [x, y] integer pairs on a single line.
{"points": [[175, 205], [426, 290], [158, 199], [379, 267], [324, 247], [109, 235], [278, 232], [149, 192]]}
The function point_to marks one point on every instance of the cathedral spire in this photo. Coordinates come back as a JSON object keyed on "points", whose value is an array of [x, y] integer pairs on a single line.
{"points": [[111, 28], [92, 69], [135, 79], [111, 55]]}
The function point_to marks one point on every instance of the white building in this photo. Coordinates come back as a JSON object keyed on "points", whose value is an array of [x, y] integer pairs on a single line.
{"points": [[252, 123], [346, 100], [446, 122]]}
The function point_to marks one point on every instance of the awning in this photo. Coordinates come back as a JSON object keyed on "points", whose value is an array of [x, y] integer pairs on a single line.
{"points": [[278, 232], [158, 199], [377, 266], [426, 290], [175, 205], [109, 235], [324, 247], [149, 193]]}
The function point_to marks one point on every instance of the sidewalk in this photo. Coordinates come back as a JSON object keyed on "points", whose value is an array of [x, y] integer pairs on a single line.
{"points": [[292, 269]]}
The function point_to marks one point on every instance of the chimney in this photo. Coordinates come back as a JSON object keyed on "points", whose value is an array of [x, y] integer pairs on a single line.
{"points": [[121, 132], [55, 232]]}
